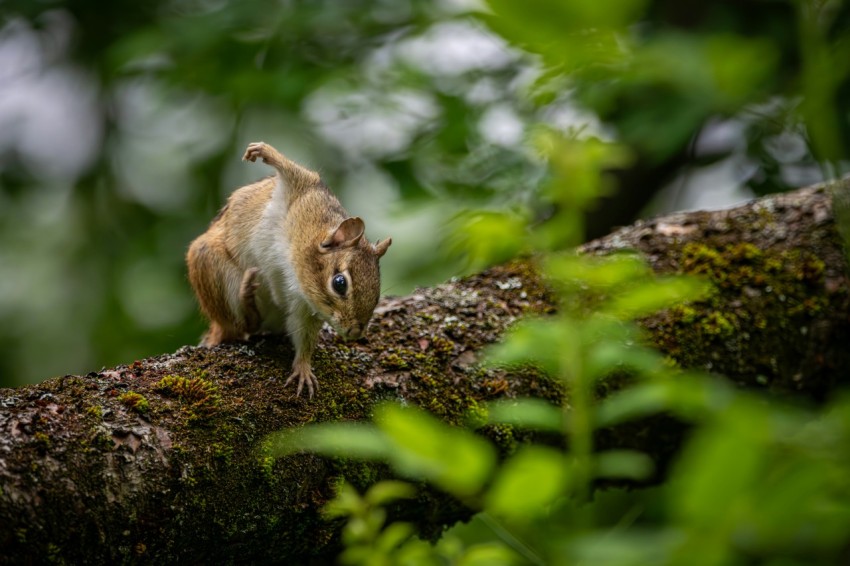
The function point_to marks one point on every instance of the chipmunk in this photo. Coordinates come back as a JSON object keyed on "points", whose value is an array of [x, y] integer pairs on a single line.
{"points": [[284, 255]]}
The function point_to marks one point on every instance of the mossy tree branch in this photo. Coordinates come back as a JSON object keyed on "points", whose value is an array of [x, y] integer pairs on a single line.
{"points": [[163, 460]]}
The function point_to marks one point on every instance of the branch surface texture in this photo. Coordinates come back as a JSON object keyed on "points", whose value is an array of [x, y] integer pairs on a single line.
{"points": [[163, 460]]}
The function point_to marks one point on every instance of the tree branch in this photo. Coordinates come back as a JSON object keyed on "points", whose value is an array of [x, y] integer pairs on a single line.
{"points": [[163, 460]]}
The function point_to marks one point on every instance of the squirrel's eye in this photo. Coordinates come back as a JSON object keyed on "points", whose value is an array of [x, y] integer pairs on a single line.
{"points": [[339, 284]]}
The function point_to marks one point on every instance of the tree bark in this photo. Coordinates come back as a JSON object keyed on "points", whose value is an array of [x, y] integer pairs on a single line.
{"points": [[163, 460]]}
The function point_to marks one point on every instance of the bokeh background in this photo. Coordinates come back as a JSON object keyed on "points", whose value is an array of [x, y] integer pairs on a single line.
{"points": [[122, 124]]}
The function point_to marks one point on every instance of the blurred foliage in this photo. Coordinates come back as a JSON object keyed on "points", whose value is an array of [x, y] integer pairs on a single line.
{"points": [[758, 482], [99, 203], [121, 126], [492, 129], [590, 337]]}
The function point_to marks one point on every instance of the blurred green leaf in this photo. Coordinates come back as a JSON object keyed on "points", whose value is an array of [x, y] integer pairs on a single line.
{"points": [[487, 237], [624, 464], [660, 293], [578, 178], [596, 272], [578, 167], [554, 18], [357, 440], [637, 547], [606, 357], [720, 467], [393, 536], [489, 554], [455, 459], [356, 554], [633, 403], [346, 503], [802, 487], [568, 35], [552, 344], [528, 484], [386, 491], [534, 414], [687, 396], [364, 526], [740, 67]]}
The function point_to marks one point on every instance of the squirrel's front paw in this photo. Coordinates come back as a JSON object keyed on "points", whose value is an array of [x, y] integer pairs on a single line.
{"points": [[260, 150], [255, 150], [303, 373]]}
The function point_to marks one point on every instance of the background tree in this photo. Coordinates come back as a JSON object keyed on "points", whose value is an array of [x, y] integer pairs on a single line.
{"points": [[521, 117], [122, 126]]}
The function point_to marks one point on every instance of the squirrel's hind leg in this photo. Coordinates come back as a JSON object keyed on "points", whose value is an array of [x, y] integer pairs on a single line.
{"points": [[220, 285]]}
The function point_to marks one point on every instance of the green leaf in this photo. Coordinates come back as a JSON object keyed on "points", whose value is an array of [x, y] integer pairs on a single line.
{"points": [[357, 555], [720, 467], [608, 356], [627, 464], [353, 440], [548, 343], [455, 459], [388, 490], [660, 293], [363, 528], [558, 17], [528, 484], [566, 34], [393, 536], [636, 547], [687, 396], [488, 554], [633, 403], [535, 414], [347, 502], [739, 66], [596, 272], [577, 166], [486, 237]]}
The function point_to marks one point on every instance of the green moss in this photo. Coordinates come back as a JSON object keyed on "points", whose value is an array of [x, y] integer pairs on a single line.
{"points": [[769, 292], [503, 436], [717, 324], [200, 396], [95, 411], [265, 461], [359, 474], [42, 441], [442, 346], [736, 265], [54, 554], [135, 401], [685, 313], [222, 451], [393, 361], [99, 442]]}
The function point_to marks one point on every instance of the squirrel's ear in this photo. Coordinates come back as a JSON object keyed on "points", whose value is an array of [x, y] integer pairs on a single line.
{"points": [[347, 234], [381, 247]]}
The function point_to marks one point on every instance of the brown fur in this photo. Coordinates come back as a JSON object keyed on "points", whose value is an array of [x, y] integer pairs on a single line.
{"points": [[271, 254]]}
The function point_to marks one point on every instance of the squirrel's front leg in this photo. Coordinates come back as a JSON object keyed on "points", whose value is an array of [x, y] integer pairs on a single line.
{"points": [[303, 328]]}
